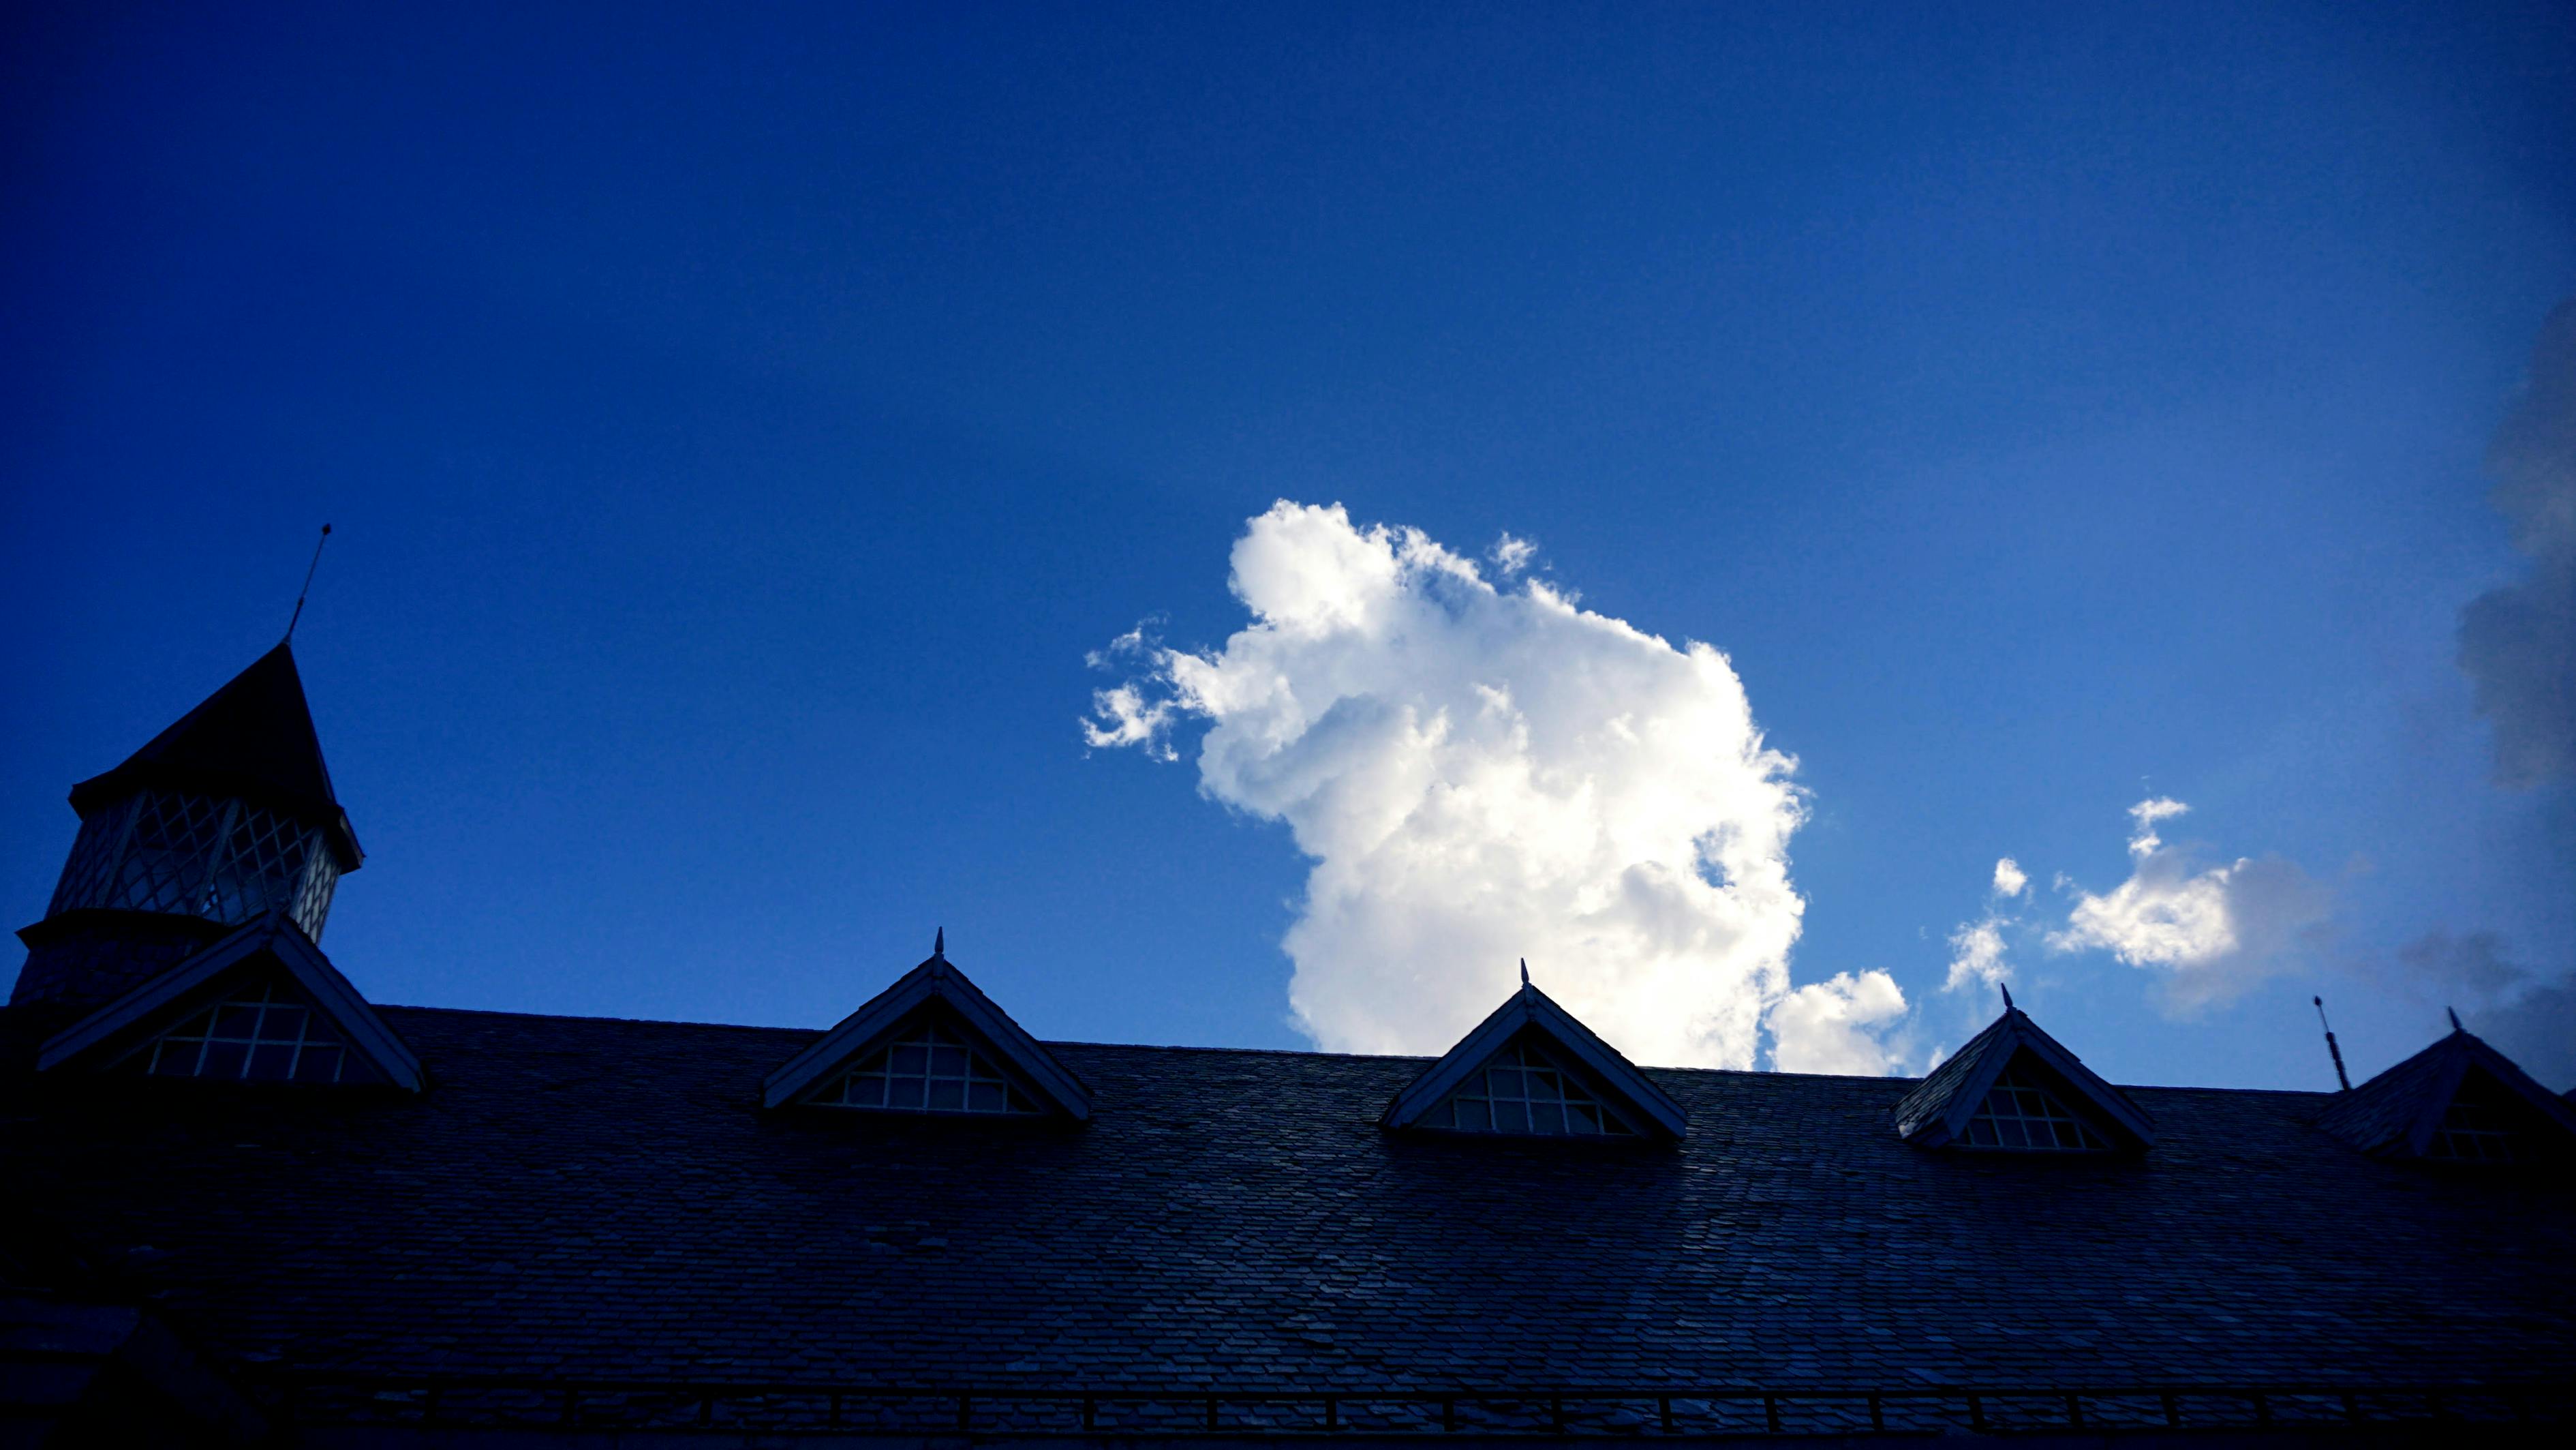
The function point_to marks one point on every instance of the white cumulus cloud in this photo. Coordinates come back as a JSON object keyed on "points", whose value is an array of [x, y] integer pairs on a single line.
{"points": [[2009, 878], [1838, 1025], [2211, 931], [1480, 774]]}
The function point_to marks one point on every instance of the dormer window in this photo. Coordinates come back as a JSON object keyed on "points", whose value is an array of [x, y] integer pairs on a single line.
{"points": [[1530, 1069], [2485, 1124], [931, 1043], [2020, 1116], [2014, 1089], [261, 1035], [1522, 1091], [2458, 1103], [928, 1070], [259, 1005]]}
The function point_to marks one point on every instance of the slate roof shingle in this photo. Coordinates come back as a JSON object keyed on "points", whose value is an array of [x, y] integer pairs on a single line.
{"points": [[608, 1199]]}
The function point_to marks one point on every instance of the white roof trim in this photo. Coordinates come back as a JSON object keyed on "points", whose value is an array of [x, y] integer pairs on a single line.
{"points": [[936, 980], [98, 1038], [1530, 1009]]}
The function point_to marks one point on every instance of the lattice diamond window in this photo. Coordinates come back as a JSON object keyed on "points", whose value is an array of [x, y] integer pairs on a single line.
{"points": [[90, 870], [263, 864], [166, 858], [262, 1034], [194, 855], [1523, 1091], [929, 1070], [2024, 1117], [2483, 1124]]}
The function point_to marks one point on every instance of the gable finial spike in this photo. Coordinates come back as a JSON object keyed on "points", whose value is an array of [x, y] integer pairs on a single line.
{"points": [[1524, 971], [939, 945], [307, 588], [2007, 991], [2455, 1019], [2332, 1050]]}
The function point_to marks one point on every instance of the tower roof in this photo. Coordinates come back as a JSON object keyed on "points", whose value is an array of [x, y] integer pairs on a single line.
{"points": [[254, 737]]}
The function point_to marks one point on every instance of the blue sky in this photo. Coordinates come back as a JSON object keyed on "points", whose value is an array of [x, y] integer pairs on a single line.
{"points": [[740, 429]]}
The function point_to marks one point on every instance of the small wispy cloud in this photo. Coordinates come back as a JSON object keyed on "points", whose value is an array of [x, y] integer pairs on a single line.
{"points": [[1511, 555], [1977, 947]]}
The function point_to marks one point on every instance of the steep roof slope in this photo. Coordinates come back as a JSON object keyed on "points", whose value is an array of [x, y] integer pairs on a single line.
{"points": [[253, 736], [608, 1199]]}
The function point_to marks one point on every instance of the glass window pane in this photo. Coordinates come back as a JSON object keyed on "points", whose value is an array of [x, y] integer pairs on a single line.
{"points": [[2021, 1115], [224, 1059], [272, 1062], [929, 1069]]}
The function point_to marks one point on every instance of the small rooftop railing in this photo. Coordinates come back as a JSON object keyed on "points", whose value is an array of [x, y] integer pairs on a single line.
{"points": [[807, 1407]]}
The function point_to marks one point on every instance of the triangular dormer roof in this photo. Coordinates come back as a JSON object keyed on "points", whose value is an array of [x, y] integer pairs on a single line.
{"points": [[1530, 1011], [253, 738], [272, 943], [2397, 1114], [1938, 1111], [933, 985]]}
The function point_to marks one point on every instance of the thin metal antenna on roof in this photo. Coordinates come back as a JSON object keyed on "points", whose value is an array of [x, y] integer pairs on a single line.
{"points": [[2007, 991], [1524, 971], [293, 619], [2455, 1020], [2331, 1050]]}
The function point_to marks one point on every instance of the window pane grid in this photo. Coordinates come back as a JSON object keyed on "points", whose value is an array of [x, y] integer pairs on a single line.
{"points": [[266, 1037], [1523, 1091], [928, 1070], [2480, 1126], [2023, 1117]]}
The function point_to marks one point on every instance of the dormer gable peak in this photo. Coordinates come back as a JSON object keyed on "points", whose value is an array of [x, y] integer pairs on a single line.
{"points": [[2458, 1100], [264, 985], [933, 1027], [2012, 1086], [1533, 1067]]}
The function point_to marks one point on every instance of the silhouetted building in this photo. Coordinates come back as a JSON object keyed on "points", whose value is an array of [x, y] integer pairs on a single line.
{"points": [[246, 1204]]}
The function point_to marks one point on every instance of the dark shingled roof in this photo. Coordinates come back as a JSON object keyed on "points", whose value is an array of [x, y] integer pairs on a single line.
{"points": [[608, 1199], [254, 737]]}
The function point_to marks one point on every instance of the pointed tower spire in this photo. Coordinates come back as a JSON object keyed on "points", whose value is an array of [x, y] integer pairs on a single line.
{"points": [[939, 945], [2454, 1015], [1524, 971], [2007, 991]]}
